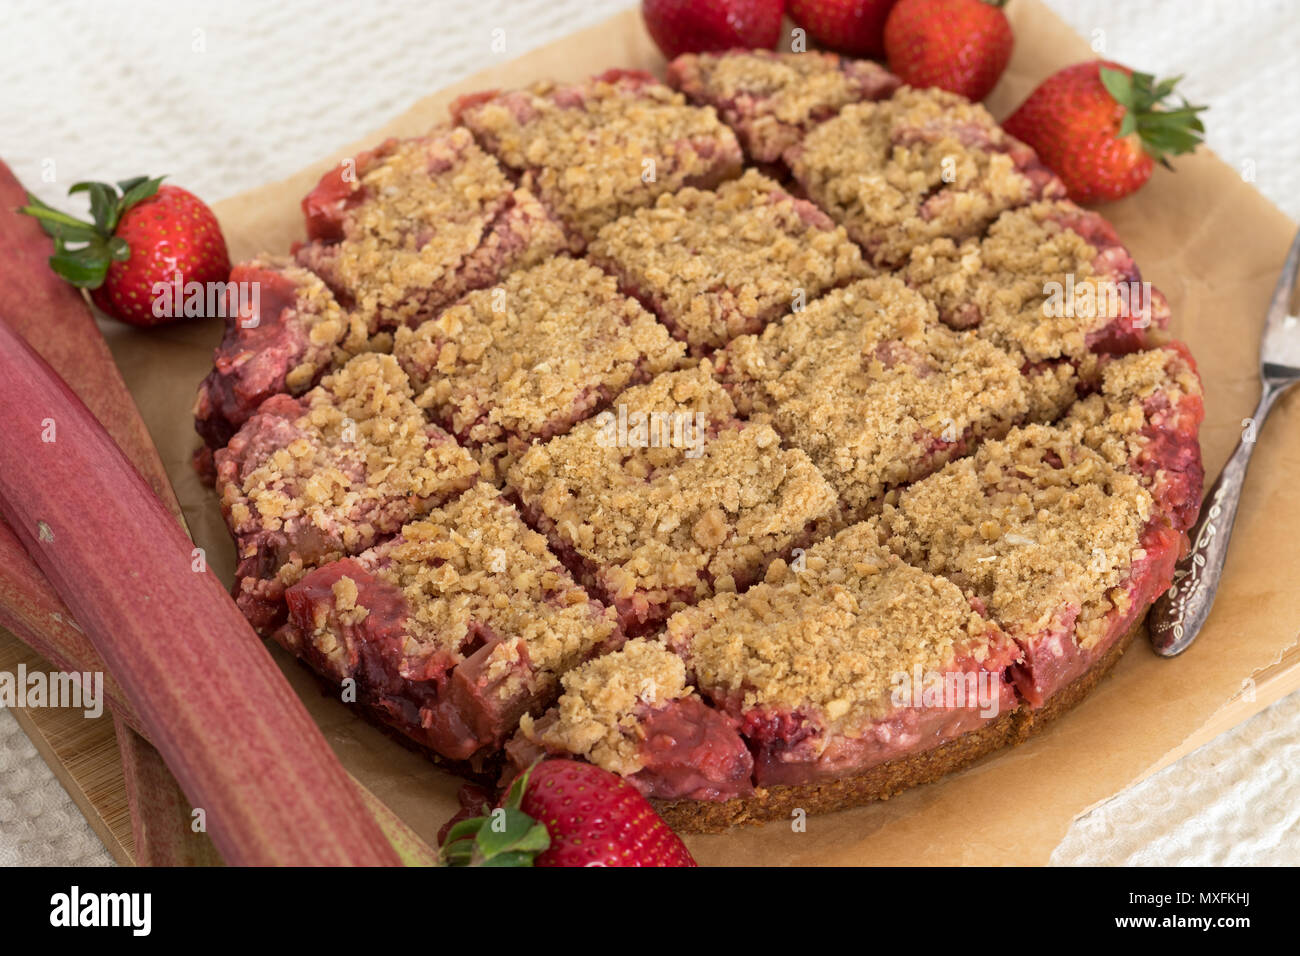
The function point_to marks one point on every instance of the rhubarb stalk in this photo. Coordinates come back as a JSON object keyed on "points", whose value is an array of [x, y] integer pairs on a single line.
{"points": [[224, 718], [55, 319]]}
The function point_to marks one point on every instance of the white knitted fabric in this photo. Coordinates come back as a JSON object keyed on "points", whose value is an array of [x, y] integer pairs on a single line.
{"points": [[226, 96]]}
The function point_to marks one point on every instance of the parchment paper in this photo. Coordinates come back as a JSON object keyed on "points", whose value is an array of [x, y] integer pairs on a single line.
{"points": [[1210, 241]]}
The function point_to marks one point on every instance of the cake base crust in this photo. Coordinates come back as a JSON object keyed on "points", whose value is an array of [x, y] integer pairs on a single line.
{"points": [[883, 781]]}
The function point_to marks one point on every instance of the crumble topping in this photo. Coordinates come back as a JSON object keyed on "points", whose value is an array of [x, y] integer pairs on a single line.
{"points": [[1034, 283], [771, 99], [874, 388], [1037, 526], [713, 265], [829, 640], [352, 459], [919, 166], [473, 567], [284, 328], [1145, 419], [676, 513], [525, 360], [426, 220], [597, 716], [599, 149]]}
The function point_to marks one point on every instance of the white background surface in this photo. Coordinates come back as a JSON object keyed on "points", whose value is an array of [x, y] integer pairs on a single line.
{"points": [[226, 96]]}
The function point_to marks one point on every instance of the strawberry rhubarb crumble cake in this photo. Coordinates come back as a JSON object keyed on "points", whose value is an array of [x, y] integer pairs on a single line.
{"points": [[563, 432]]}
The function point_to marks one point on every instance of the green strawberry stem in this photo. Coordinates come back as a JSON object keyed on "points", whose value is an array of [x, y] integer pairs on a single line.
{"points": [[83, 251], [1164, 130], [505, 836]]}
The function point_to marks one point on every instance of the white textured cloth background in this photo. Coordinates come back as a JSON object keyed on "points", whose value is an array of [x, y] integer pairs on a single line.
{"points": [[226, 96]]}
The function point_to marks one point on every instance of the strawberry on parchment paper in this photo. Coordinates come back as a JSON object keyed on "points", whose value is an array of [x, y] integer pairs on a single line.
{"points": [[563, 812], [957, 45], [1102, 127], [855, 27], [143, 233], [704, 26]]}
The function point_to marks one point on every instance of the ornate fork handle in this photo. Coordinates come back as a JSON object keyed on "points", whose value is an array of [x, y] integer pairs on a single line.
{"points": [[1177, 616]]}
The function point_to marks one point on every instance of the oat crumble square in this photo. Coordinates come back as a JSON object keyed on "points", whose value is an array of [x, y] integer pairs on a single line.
{"points": [[772, 99], [716, 264], [524, 361], [599, 149], [1052, 280], [1060, 548], [634, 713], [921, 165], [285, 332], [668, 497], [414, 224], [875, 388], [1145, 417], [454, 629], [830, 665], [310, 479]]}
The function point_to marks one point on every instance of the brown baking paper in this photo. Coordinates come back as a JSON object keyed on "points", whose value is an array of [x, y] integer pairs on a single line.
{"points": [[1210, 241]]}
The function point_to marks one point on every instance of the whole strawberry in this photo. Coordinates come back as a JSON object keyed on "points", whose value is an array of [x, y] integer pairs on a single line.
{"points": [[855, 27], [957, 45], [567, 813], [143, 234], [1102, 128], [701, 26]]}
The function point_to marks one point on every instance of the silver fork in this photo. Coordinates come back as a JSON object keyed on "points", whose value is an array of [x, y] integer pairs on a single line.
{"points": [[1177, 616]]}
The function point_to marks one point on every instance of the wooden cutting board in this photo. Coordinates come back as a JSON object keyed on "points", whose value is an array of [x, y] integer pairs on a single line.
{"points": [[81, 751]]}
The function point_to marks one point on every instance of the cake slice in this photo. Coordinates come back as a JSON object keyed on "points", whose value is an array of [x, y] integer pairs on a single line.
{"points": [[311, 479], [667, 498], [289, 331], [772, 99], [1064, 551], [452, 630], [919, 166], [404, 229], [633, 713], [716, 264], [875, 388], [1051, 280], [599, 149], [1146, 418], [846, 660], [523, 362]]}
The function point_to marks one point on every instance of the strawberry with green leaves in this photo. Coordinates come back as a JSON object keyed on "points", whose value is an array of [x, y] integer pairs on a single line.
{"points": [[566, 813], [1102, 127], [143, 233]]}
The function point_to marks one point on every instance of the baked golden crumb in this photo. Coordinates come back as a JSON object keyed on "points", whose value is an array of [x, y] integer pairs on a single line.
{"points": [[714, 265], [308, 480], [422, 222], [525, 360], [599, 712], [772, 99], [666, 498], [1043, 530], [1049, 280], [874, 388], [284, 330], [599, 149], [921, 165], [829, 636], [466, 617], [1145, 418]]}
